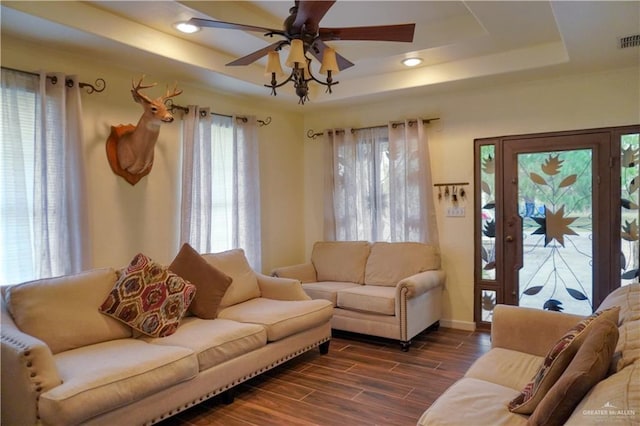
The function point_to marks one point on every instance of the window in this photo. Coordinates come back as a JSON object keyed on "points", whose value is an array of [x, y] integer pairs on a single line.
{"points": [[17, 176], [222, 180], [41, 222], [220, 184], [362, 187], [379, 185]]}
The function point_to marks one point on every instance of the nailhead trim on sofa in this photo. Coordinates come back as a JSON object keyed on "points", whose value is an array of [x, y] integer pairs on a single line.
{"points": [[236, 382]]}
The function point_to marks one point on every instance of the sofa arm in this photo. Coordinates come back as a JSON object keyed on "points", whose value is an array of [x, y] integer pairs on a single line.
{"points": [[420, 283], [280, 288], [529, 330], [28, 369], [304, 272]]}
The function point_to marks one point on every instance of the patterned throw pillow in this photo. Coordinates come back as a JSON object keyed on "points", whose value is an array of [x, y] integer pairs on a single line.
{"points": [[149, 298], [556, 362]]}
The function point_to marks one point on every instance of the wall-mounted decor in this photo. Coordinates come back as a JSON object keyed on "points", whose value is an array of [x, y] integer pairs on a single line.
{"points": [[130, 148], [453, 191]]}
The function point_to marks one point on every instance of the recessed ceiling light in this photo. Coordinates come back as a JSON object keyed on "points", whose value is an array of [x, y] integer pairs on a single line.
{"points": [[412, 62], [186, 27]]}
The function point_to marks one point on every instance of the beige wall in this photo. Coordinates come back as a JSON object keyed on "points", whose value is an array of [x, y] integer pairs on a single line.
{"points": [[585, 101], [127, 219]]}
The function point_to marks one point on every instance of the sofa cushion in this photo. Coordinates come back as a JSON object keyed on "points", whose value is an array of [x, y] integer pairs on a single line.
{"points": [[327, 290], [211, 283], [472, 401], [214, 341], [149, 297], [505, 367], [98, 378], [614, 400], [281, 318], [303, 272], [587, 368], [63, 311], [556, 360], [388, 263], [369, 298], [244, 285], [340, 260], [628, 298], [628, 348]]}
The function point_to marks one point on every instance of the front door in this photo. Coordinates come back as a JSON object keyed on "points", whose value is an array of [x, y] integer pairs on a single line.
{"points": [[557, 216], [556, 219]]}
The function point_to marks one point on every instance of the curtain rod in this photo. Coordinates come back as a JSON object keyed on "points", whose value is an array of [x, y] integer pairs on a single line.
{"points": [[100, 84], [312, 135], [172, 107]]}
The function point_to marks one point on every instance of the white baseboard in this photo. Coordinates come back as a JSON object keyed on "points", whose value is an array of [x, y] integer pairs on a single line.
{"points": [[458, 325]]}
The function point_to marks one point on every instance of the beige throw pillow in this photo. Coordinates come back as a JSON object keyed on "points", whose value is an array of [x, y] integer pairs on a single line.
{"points": [[556, 361], [587, 368], [211, 283], [235, 264]]}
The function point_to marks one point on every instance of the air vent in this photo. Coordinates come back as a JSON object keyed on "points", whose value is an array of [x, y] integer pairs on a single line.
{"points": [[629, 41]]}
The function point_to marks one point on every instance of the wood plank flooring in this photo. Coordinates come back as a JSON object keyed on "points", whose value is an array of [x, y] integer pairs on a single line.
{"points": [[361, 381]]}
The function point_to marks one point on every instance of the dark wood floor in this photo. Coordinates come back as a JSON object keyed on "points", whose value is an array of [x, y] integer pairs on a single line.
{"points": [[361, 381]]}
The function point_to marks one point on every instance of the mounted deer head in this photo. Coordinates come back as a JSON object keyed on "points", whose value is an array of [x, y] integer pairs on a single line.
{"points": [[129, 148]]}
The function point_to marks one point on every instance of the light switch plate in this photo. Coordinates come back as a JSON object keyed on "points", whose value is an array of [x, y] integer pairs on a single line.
{"points": [[455, 211]]}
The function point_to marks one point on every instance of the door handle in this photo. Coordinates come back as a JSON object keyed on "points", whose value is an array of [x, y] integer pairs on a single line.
{"points": [[509, 239]]}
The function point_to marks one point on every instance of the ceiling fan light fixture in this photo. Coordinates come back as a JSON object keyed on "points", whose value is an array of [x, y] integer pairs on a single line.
{"points": [[329, 62], [186, 27], [411, 62], [296, 54], [303, 33], [273, 65]]}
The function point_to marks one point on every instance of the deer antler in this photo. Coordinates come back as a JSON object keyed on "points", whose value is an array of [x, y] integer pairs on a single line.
{"points": [[173, 93], [139, 86]]}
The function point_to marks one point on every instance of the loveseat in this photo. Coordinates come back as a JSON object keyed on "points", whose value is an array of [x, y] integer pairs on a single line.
{"points": [[550, 368], [67, 360], [391, 290]]}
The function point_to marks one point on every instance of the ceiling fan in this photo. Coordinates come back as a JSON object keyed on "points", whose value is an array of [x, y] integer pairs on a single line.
{"points": [[303, 24]]}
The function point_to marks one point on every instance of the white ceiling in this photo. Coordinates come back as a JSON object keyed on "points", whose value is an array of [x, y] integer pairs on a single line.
{"points": [[473, 43]]}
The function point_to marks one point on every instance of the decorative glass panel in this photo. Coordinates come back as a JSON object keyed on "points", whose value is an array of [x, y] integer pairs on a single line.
{"points": [[487, 212], [555, 203], [630, 190], [487, 304]]}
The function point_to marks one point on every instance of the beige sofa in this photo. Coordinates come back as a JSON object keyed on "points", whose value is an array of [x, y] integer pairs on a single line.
{"points": [[85, 367], [391, 290], [606, 392]]}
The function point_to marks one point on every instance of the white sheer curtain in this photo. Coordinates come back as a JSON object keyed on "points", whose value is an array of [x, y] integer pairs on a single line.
{"points": [[412, 210], [378, 184], [43, 225], [353, 177], [220, 206]]}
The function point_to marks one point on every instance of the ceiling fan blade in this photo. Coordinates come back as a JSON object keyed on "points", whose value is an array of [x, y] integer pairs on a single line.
{"points": [[317, 50], [402, 32], [252, 57], [310, 13], [231, 26]]}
